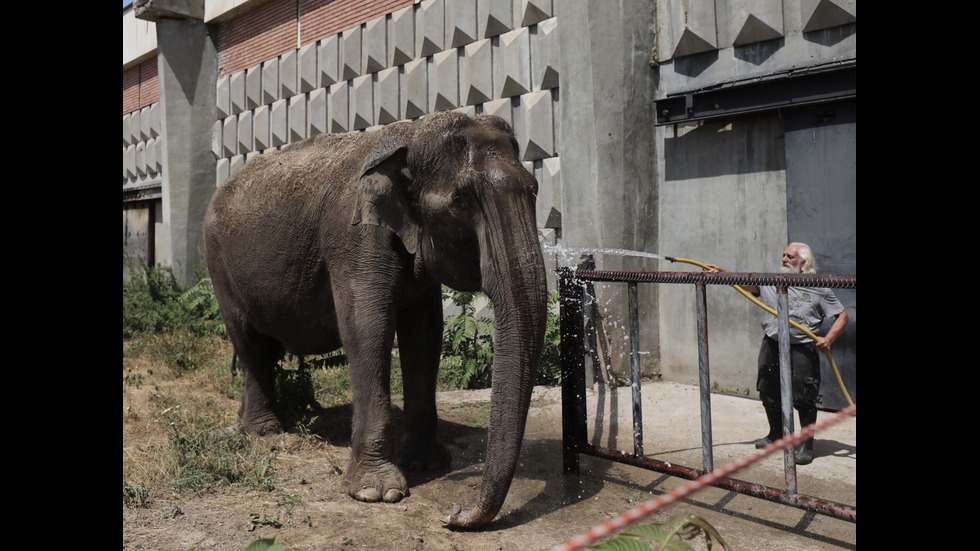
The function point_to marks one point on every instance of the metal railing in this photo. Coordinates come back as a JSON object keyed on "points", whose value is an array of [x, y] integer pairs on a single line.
{"points": [[577, 327]]}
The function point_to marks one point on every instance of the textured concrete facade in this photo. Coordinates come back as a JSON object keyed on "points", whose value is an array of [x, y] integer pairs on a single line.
{"points": [[579, 81]]}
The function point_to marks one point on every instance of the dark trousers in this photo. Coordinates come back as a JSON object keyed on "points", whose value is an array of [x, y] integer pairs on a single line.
{"points": [[805, 362]]}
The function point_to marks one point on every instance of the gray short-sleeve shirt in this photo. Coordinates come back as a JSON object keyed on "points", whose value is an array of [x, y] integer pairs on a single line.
{"points": [[808, 306]]}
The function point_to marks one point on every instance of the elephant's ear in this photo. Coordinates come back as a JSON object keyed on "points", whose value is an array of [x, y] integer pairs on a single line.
{"points": [[382, 198]]}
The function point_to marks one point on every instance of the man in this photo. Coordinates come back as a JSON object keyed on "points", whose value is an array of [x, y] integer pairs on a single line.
{"points": [[808, 306]]}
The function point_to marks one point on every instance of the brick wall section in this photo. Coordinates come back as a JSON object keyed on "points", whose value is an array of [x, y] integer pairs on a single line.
{"points": [[258, 35], [141, 86], [271, 29], [322, 18]]}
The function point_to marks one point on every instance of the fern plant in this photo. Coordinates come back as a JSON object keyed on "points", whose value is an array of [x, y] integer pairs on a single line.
{"points": [[467, 348], [668, 536]]}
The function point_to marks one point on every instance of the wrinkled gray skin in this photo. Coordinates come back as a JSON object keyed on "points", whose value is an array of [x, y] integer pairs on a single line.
{"points": [[345, 240]]}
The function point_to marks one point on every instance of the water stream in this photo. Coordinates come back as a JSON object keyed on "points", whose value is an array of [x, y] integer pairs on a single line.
{"points": [[571, 255]]}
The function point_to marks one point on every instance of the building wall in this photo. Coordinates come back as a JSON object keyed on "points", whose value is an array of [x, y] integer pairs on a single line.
{"points": [[579, 81]]}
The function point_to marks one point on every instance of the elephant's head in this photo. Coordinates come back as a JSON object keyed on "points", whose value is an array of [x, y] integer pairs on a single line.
{"points": [[455, 191]]}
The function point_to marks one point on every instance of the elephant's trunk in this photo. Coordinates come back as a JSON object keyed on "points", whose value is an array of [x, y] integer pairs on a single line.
{"points": [[514, 280]]}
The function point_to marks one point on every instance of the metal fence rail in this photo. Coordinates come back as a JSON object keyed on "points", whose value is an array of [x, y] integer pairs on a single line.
{"points": [[575, 326]]}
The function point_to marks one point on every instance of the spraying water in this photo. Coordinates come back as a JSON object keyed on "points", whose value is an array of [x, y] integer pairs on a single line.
{"points": [[568, 254]]}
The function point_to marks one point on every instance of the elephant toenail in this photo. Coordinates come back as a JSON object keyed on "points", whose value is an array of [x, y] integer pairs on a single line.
{"points": [[368, 494], [393, 495]]}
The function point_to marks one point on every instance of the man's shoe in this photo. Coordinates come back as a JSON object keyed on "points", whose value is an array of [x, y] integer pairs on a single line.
{"points": [[804, 454], [763, 442]]}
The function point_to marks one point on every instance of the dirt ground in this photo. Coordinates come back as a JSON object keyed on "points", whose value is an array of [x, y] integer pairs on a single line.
{"points": [[543, 508]]}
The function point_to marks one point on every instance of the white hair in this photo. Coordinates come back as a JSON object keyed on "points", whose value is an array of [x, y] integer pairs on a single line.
{"points": [[809, 263]]}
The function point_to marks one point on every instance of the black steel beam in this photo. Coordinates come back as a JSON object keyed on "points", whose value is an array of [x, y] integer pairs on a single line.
{"points": [[740, 98]]}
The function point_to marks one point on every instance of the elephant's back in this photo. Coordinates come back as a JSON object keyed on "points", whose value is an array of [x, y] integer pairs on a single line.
{"points": [[280, 188]]}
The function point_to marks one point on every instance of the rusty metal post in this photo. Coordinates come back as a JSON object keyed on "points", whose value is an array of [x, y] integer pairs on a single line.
{"points": [[786, 384], [573, 410], [635, 365], [704, 379]]}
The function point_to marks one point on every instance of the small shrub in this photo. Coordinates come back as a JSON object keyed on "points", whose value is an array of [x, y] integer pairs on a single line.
{"points": [[155, 301], [135, 496]]}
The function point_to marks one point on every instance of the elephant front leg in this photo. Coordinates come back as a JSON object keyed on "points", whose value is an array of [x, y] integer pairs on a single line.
{"points": [[419, 344], [372, 474]]}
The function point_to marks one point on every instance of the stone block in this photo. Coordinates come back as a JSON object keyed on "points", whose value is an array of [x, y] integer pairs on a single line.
{"points": [[235, 164], [461, 23], [229, 136], [261, 129], [475, 73], [289, 74], [375, 48], [386, 96], [154, 152], [328, 61], [236, 92], [317, 112], [401, 36], [222, 98], [444, 84], [350, 53], [548, 174], [339, 107], [534, 11], [430, 27], [544, 55], [270, 81], [127, 130], [307, 68], [129, 162], [362, 102], [495, 17], [145, 120], [414, 88], [298, 123], [217, 135], [279, 122], [135, 123], [468, 110], [246, 141], [512, 64], [253, 86], [140, 159], [155, 125], [502, 108], [222, 172], [534, 126]]}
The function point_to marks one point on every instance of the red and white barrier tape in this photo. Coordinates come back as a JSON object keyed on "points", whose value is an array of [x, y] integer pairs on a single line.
{"points": [[646, 509]]}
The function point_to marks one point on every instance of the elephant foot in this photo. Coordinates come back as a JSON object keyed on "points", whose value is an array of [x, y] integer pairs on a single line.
{"points": [[382, 483], [262, 425], [424, 455]]}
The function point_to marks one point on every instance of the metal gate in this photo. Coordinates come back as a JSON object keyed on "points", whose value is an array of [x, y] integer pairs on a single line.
{"points": [[573, 349]]}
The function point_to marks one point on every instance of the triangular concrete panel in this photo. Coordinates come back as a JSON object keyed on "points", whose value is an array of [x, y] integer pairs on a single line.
{"points": [[691, 44], [495, 27], [827, 15], [754, 30], [512, 88]]}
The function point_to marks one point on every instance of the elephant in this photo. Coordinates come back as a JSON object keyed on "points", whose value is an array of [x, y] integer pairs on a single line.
{"points": [[345, 240]]}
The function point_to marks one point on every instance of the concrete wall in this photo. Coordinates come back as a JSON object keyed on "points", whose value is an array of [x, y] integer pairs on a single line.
{"points": [[578, 80]]}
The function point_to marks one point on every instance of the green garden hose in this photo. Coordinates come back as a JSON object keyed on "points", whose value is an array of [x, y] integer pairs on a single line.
{"points": [[749, 296]]}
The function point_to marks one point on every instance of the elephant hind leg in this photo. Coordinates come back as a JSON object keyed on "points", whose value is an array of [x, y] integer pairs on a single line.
{"points": [[259, 412]]}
